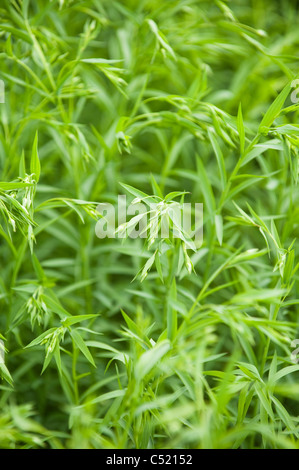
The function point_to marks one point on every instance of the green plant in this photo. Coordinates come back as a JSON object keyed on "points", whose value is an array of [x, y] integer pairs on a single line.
{"points": [[155, 342]]}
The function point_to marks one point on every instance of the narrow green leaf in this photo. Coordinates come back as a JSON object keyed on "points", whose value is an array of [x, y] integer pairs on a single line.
{"points": [[275, 108], [171, 312], [241, 130], [79, 341], [77, 319], [150, 359], [219, 228], [22, 168], [219, 157], [35, 163], [4, 372]]}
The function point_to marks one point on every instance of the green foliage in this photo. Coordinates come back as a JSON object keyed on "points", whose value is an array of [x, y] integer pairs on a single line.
{"points": [[148, 342]]}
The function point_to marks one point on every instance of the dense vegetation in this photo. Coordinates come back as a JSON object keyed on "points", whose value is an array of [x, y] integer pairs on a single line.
{"points": [[149, 342]]}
